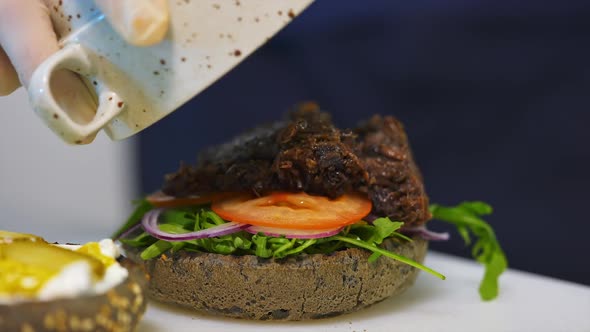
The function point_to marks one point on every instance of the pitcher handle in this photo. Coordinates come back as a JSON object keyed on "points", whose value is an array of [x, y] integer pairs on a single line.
{"points": [[78, 59]]}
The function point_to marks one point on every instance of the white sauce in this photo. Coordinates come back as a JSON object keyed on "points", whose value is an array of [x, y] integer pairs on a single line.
{"points": [[109, 248], [76, 279]]}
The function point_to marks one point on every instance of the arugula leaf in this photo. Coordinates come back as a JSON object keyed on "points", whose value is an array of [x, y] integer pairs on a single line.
{"points": [[241, 242], [384, 228], [212, 216], [401, 258], [381, 229], [181, 218], [155, 250], [281, 250], [261, 250], [486, 250], [142, 240], [306, 244], [173, 228]]}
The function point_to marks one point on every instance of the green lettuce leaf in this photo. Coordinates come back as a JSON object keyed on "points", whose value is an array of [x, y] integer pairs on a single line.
{"points": [[466, 217]]}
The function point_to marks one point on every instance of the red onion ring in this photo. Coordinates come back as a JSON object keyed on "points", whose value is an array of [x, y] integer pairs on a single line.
{"points": [[293, 233], [425, 233], [150, 225], [129, 231]]}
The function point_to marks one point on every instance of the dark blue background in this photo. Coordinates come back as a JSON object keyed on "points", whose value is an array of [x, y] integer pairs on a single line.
{"points": [[495, 98]]}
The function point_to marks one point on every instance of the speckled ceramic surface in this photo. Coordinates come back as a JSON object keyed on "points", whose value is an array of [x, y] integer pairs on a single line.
{"points": [[137, 86]]}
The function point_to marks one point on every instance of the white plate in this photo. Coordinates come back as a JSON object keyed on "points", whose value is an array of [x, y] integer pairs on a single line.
{"points": [[527, 303]]}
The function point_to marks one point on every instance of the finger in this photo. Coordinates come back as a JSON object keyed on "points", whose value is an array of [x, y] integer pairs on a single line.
{"points": [[26, 34], [8, 77], [140, 22]]}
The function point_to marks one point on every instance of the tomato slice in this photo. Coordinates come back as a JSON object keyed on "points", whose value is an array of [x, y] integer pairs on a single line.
{"points": [[159, 199], [294, 210]]}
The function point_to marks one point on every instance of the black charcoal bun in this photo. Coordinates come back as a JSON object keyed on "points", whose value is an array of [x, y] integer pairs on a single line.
{"points": [[294, 288]]}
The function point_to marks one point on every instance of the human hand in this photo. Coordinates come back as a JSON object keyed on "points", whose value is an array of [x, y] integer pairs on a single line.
{"points": [[27, 38]]}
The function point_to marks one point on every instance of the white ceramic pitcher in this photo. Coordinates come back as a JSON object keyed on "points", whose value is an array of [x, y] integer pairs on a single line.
{"points": [[137, 86]]}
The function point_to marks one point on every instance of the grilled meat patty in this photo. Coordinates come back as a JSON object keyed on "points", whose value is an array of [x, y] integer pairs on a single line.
{"points": [[307, 153]]}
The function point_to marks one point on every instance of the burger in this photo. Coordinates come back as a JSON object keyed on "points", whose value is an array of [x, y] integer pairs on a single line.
{"points": [[51, 287], [298, 220]]}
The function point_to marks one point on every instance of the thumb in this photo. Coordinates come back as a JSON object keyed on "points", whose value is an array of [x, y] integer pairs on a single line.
{"points": [[140, 22], [27, 38], [26, 35], [8, 76]]}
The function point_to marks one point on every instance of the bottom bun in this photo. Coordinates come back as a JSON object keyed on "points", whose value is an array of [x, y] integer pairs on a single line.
{"points": [[294, 288]]}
